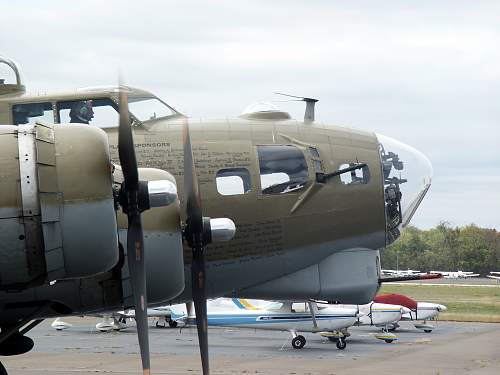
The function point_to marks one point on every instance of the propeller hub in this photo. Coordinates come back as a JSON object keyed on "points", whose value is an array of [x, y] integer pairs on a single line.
{"points": [[149, 194]]}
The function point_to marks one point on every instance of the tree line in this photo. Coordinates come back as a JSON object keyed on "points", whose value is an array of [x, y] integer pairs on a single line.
{"points": [[445, 248]]}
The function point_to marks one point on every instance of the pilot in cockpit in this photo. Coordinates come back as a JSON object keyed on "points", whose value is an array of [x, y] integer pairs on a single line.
{"points": [[81, 112]]}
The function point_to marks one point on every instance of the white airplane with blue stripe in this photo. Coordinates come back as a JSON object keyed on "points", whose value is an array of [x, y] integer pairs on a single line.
{"points": [[279, 316], [327, 320]]}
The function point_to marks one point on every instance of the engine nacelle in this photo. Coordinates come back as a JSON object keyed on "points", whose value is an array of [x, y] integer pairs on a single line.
{"points": [[163, 246], [57, 214]]}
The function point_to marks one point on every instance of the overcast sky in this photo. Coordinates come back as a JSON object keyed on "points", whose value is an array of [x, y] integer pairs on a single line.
{"points": [[424, 72]]}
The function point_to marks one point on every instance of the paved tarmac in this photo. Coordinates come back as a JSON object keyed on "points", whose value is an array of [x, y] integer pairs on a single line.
{"points": [[453, 348]]}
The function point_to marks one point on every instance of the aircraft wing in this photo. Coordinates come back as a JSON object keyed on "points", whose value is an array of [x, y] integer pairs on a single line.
{"points": [[389, 271], [156, 312], [472, 275], [493, 277]]}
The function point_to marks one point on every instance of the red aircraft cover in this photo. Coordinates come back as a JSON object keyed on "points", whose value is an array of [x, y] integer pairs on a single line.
{"points": [[396, 299]]}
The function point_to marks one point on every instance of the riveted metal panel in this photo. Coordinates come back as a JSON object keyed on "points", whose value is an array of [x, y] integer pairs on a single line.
{"points": [[50, 204], [47, 179], [45, 153], [27, 169], [52, 235], [44, 132]]}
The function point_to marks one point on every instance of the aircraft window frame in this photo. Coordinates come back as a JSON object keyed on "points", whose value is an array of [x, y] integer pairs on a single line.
{"points": [[359, 176], [96, 102], [45, 106], [243, 174], [132, 100], [278, 160]]}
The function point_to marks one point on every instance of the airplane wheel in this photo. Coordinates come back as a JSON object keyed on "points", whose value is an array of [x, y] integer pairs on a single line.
{"points": [[341, 344], [298, 342], [172, 323], [3, 371], [427, 330], [388, 341]]}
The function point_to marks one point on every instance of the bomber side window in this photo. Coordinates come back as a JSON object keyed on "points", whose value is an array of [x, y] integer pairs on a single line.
{"points": [[283, 169], [32, 112], [102, 113], [233, 181], [356, 177]]}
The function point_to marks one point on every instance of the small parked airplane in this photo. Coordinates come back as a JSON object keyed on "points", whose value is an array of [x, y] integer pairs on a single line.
{"points": [[279, 316], [419, 311], [118, 320], [456, 275], [407, 272], [330, 321], [378, 314], [494, 275]]}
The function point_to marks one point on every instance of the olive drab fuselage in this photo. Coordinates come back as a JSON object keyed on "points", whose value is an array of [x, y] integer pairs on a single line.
{"points": [[273, 176]]}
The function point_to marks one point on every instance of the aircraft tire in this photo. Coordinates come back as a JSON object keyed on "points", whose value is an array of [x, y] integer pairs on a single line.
{"points": [[298, 342], [388, 341], [3, 371], [341, 344], [427, 330], [172, 323]]}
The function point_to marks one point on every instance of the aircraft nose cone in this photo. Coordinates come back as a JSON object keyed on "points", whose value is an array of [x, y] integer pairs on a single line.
{"points": [[442, 308], [407, 175]]}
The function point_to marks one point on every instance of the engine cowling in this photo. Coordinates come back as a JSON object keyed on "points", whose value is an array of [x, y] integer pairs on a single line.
{"points": [[57, 213]]}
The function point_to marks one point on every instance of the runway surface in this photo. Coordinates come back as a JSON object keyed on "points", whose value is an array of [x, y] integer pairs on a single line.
{"points": [[453, 348]]}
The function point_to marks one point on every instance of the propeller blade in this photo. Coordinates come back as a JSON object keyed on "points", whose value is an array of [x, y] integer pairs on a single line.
{"points": [[200, 305], [194, 236], [135, 239], [126, 151], [191, 187], [136, 265]]}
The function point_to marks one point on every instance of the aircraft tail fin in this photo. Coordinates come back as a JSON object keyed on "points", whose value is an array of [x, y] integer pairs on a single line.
{"points": [[243, 304]]}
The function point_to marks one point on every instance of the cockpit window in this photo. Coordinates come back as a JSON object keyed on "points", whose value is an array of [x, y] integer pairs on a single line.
{"points": [[283, 169], [32, 112], [147, 109], [102, 113]]}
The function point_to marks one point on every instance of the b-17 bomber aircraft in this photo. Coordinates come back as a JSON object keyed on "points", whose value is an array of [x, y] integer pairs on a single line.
{"points": [[97, 217]]}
